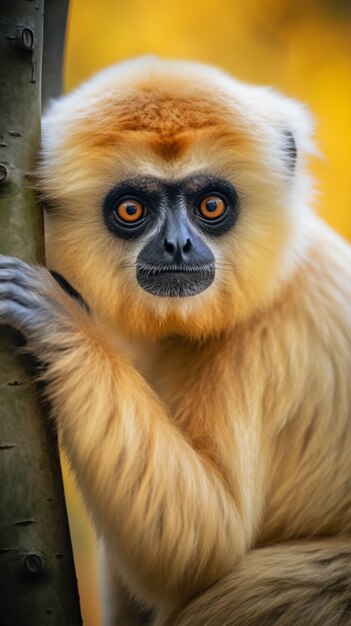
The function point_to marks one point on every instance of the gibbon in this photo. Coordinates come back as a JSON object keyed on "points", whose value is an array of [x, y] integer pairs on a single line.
{"points": [[202, 394]]}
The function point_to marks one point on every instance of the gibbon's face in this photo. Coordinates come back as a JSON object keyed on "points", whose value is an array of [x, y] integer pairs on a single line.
{"points": [[175, 196], [168, 219]]}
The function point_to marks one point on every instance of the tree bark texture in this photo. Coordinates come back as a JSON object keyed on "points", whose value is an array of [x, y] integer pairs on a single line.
{"points": [[54, 40], [37, 580]]}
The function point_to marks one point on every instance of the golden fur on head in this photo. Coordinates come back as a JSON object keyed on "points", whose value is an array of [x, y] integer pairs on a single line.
{"points": [[150, 117]]}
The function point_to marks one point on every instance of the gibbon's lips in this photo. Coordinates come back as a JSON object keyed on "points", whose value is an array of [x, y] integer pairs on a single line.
{"points": [[177, 281]]}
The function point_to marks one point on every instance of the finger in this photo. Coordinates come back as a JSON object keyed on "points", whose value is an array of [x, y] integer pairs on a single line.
{"points": [[25, 296], [11, 261], [12, 313]]}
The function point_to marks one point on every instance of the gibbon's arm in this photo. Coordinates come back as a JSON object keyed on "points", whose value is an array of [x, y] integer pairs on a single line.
{"points": [[159, 504]]}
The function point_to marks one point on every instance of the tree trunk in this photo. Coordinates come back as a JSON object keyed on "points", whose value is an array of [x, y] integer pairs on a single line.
{"points": [[54, 40], [37, 579]]}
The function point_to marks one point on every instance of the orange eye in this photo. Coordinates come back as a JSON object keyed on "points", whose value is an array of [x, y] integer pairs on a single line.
{"points": [[212, 207], [130, 210]]}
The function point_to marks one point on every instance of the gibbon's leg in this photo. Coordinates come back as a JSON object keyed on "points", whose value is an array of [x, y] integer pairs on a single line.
{"points": [[301, 584], [164, 509], [119, 607]]}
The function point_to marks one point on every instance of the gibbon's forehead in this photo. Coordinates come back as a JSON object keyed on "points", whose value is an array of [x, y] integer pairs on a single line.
{"points": [[164, 115], [165, 123], [152, 117]]}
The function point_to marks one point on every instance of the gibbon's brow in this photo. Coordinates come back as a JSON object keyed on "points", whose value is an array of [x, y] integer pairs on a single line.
{"points": [[156, 187]]}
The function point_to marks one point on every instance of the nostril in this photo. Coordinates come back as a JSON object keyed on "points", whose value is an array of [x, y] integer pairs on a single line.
{"points": [[187, 246], [169, 246]]}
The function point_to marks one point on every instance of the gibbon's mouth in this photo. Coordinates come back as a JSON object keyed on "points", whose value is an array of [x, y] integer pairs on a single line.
{"points": [[175, 281]]}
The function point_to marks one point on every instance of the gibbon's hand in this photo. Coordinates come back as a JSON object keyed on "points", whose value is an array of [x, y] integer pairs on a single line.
{"points": [[31, 300]]}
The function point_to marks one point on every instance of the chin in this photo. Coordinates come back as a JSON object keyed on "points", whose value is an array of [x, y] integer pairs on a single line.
{"points": [[151, 317]]}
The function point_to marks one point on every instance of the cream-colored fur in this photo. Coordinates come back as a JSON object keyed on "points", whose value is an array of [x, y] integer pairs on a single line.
{"points": [[200, 428]]}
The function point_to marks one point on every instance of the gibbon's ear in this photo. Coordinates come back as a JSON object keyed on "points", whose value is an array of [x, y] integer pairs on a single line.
{"points": [[290, 149], [296, 128], [69, 289]]}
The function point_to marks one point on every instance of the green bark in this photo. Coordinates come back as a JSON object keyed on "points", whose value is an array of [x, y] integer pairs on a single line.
{"points": [[37, 579]]}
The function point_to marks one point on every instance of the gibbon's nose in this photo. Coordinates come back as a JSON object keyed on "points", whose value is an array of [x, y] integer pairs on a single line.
{"points": [[177, 240], [177, 247], [176, 244]]}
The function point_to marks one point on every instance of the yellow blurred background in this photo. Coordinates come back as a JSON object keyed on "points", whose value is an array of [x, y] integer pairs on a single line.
{"points": [[300, 47]]}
